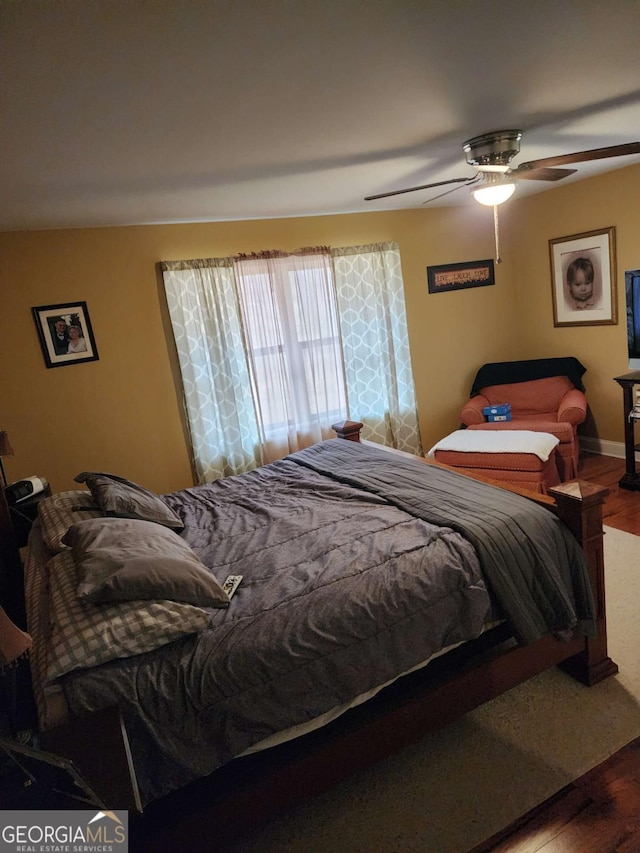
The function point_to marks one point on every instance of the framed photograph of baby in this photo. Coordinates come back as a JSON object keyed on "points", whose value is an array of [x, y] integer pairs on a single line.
{"points": [[65, 333], [583, 279]]}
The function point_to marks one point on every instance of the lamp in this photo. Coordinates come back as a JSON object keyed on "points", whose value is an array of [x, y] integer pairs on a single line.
{"points": [[14, 643], [5, 450], [494, 189]]}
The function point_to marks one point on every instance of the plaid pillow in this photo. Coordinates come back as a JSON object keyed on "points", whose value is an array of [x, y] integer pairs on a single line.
{"points": [[86, 635], [58, 512]]}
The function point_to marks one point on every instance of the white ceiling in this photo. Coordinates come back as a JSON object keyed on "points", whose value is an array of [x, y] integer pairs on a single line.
{"points": [[142, 111]]}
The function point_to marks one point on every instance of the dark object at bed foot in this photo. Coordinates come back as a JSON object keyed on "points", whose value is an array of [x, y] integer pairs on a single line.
{"points": [[99, 748]]}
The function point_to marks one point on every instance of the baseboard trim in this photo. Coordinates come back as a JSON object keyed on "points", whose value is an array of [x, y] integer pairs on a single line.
{"points": [[604, 448]]}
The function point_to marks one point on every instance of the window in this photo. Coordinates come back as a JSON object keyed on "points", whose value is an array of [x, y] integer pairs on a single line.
{"points": [[291, 328], [276, 347]]}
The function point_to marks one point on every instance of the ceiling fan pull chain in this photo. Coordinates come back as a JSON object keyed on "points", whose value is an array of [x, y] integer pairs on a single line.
{"points": [[495, 228]]}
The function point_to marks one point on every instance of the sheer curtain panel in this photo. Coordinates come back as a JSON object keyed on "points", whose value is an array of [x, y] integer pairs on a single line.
{"points": [[290, 319]]}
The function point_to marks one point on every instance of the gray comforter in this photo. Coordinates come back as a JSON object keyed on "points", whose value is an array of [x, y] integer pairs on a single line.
{"points": [[357, 566]]}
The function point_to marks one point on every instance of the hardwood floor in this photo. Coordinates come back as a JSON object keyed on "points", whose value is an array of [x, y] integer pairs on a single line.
{"points": [[600, 811], [621, 506]]}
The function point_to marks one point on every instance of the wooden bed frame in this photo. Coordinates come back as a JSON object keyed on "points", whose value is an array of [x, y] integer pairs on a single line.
{"points": [[250, 791]]}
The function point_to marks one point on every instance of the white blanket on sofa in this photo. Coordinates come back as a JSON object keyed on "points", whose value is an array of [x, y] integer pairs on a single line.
{"points": [[500, 441]]}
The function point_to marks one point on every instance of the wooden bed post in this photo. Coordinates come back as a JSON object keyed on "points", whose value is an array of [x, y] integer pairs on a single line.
{"points": [[579, 506], [348, 429]]}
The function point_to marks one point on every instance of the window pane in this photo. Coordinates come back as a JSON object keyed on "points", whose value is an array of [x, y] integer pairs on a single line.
{"points": [[291, 327], [328, 397], [314, 309], [269, 381], [260, 317]]}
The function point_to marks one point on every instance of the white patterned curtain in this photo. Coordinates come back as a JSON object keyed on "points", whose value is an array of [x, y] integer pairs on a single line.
{"points": [[207, 326], [291, 332], [276, 347], [375, 343]]}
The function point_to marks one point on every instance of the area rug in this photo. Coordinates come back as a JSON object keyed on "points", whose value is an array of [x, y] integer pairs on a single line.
{"points": [[457, 787]]}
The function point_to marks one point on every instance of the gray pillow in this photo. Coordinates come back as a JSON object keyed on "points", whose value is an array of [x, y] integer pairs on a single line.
{"points": [[121, 559], [121, 498]]}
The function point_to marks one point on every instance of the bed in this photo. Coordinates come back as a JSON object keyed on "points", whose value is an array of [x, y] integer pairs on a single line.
{"points": [[381, 596]]}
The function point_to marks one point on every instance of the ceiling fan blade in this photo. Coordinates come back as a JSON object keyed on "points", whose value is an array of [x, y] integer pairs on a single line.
{"points": [[542, 174], [448, 192], [423, 187], [583, 156]]}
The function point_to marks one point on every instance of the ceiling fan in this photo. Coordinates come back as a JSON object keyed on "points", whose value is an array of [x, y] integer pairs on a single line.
{"points": [[495, 181]]}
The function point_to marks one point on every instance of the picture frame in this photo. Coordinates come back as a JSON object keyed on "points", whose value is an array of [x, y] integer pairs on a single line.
{"points": [[58, 774], [460, 276], [583, 278], [73, 344]]}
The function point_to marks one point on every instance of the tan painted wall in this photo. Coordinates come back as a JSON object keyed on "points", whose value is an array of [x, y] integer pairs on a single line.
{"points": [[600, 202], [123, 412]]}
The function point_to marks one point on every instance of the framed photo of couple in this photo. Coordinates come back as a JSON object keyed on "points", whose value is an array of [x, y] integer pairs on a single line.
{"points": [[583, 279], [65, 333]]}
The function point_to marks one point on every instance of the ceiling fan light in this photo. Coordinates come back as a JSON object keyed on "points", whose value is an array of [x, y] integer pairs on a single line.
{"points": [[492, 194]]}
